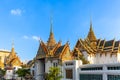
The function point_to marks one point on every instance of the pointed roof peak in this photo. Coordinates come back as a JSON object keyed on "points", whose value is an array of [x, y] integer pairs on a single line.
{"points": [[51, 40], [91, 29], [91, 36]]}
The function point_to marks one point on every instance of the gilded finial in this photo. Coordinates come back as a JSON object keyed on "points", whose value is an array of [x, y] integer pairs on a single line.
{"points": [[90, 22], [51, 23], [13, 44]]}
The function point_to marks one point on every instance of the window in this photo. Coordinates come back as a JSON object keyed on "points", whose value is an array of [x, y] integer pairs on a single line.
{"points": [[114, 68], [33, 73], [55, 64], [69, 74], [69, 64], [91, 68], [14, 67], [91, 77], [113, 77]]}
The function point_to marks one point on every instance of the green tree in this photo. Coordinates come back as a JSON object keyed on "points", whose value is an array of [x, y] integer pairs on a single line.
{"points": [[22, 72], [2, 72], [54, 74]]}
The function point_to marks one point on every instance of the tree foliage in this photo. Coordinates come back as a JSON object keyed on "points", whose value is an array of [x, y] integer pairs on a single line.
{"points": [[2, 72], [22, 72], [54, 74]]}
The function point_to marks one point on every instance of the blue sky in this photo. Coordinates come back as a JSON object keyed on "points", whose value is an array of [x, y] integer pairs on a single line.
{"points": [[24, 21]]}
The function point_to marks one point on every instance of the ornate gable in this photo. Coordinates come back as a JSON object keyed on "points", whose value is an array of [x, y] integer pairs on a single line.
{"points": [[12, 59], [16, 62], [65, 53], [42, 50]]}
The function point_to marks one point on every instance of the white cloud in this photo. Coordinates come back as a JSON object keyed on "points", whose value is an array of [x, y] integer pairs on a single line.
{"points": [[31, 38], [16, 11], [36, 38], [25, 37]]}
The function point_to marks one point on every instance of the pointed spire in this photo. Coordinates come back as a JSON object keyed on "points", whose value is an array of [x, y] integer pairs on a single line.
{"points": [[12, 47], [12, 54], [13, 44], [91, 36], [51, 24], [90, 22], [51, 40]]}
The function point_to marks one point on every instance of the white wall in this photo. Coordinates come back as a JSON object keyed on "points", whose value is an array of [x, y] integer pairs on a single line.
{"points": [[48, 64], [103, 59], [39, 69], [9, 74]]}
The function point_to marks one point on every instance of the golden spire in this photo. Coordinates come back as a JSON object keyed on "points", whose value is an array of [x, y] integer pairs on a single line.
{"points": [[51, 40], [91, 36], [51, 24], [12, 54], [12, 47]]}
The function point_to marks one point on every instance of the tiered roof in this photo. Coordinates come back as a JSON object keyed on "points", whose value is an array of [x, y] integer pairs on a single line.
{"points": [[52, 48], [110, 45], [13, 59], [92, 45]]}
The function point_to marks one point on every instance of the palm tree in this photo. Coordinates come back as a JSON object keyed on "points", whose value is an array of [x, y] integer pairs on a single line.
{"points": [[54, 74]]}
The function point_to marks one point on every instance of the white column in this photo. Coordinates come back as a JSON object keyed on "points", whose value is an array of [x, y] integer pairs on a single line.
{"points": [[104, 76], [104, 67]]}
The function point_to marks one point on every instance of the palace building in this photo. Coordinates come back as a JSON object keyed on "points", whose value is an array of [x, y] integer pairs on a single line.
{"points": [[9, 59], [50, 54], [98, 51], [103, 57]]}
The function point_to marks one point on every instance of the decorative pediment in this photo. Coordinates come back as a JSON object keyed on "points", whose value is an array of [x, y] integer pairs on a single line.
{"points": [[67, 56], [13, 59]]}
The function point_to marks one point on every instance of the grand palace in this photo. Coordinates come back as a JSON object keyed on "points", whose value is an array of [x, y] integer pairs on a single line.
{"points": [[91, 59]]}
